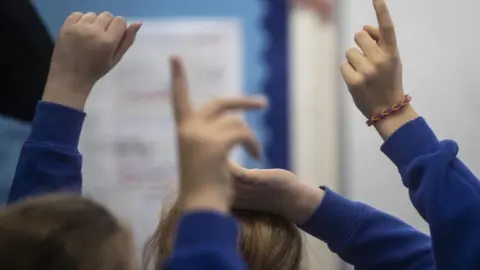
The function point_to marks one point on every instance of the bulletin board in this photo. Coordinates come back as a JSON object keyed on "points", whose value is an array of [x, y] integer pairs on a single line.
{"points": [[265, 45], [264, 71]]}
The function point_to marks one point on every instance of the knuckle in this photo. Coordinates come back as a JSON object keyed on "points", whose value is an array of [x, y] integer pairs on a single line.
{"points": [[103, 41], [357, 81], [381, 61], [370, 72], [349, 51], [75, 14], [79, 32], [385, 60], [359, 36], [356, 37], [107, 14], [121, 19]]}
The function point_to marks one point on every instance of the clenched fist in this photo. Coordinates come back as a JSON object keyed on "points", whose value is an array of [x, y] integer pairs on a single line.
{"points": [[88, 47]]}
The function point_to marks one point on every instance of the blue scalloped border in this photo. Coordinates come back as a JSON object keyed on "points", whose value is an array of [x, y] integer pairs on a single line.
{"points": [[276, 84]]}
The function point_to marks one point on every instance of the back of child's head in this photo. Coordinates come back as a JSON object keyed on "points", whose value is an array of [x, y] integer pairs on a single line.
{"points": [[267, 241], [63, 232]]}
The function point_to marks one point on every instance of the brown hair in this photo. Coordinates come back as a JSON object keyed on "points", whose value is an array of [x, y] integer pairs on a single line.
{"points": [[59, 232], [267, 241]]}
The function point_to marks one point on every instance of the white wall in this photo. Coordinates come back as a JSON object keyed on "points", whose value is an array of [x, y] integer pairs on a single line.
{"points": [[439, 44], [440, 47], [313, 106]]}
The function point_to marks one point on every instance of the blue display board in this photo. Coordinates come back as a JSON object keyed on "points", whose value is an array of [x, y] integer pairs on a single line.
{"points": [[265, 50]]}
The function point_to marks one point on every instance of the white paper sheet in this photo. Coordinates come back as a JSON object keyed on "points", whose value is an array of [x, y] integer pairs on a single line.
{"points": [[128, 140]]}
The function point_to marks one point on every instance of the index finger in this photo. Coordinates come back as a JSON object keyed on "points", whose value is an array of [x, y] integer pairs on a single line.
{"points": [[385, 22], [180, 95]]}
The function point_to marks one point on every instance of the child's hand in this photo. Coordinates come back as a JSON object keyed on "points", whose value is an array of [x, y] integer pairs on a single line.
{"points": [[205, 138], [374, 74], [88, 47], [275, 191]]}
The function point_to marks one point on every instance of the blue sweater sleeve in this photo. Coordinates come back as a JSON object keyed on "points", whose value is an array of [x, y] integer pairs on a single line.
{"points": [[443, 190], [367, 238], [49, 160], [206, 241]]}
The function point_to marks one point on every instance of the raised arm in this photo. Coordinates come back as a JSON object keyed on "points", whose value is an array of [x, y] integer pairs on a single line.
{"points": [[207, 236], [442, 189], [88, 47], [49, 160], [368, 238]]}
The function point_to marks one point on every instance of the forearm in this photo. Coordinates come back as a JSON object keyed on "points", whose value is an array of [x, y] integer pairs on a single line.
{"points": [[368, 238], [13, 134], [442, 189], [67, 91], [49, 160]]}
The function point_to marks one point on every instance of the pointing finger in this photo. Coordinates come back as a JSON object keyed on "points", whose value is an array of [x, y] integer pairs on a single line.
{"points": [[385, 22], [180, 93]]}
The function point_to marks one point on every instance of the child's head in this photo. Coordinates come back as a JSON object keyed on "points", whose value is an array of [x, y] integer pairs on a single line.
{"points": [[267, 241], [60, 232]]}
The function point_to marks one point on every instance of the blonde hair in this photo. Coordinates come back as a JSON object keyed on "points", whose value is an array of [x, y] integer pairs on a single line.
{"points": [[59, 232], [267, 241]]}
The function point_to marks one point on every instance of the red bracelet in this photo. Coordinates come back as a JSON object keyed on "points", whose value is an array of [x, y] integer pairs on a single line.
{"points": [[392, 110]]}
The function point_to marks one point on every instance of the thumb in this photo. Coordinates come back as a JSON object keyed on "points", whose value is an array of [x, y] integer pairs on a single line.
{"points": [[260, 174], [240, 172], [236, 170]]}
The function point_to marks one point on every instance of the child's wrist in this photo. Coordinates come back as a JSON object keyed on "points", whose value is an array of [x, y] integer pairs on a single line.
{"points": [[304, 202], [69, 94], [388, 112], [210, 200], [387, 126]]}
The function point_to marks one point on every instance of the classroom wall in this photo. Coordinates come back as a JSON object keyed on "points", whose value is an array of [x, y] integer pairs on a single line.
{"points": [[438, 41], [439, 45], [248, 12], [313, 82], [314, 109], [331, 145]]}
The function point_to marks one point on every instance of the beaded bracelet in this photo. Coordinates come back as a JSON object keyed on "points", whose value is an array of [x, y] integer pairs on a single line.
{"points": [[392, 110]]}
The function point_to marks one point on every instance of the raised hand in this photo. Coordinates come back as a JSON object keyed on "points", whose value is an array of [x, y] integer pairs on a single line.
{"points": [[205, 138], [88, 47], [374, 73]]}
